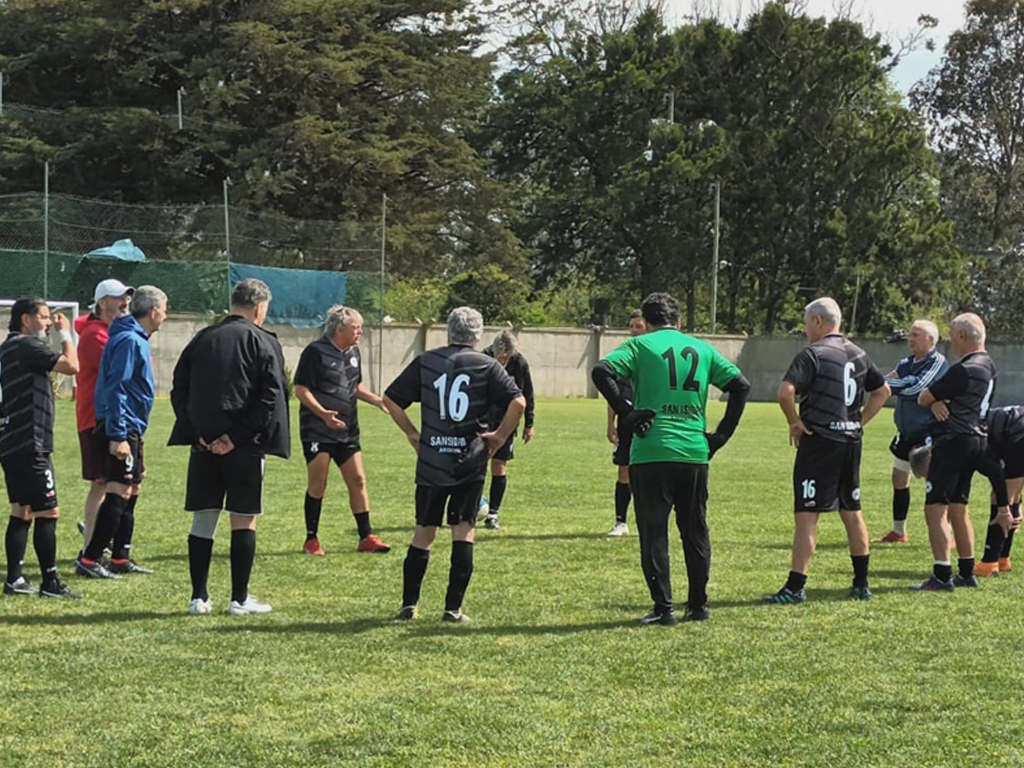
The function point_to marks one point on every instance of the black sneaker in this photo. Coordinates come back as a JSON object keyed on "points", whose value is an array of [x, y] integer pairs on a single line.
{"points": [[786, 596], [933, 585], [20, 586], [407, 613], [696, 614], [93, 570], [128, 566], [455, 617], [665, 618], [970, 580], [59, 590], [860, 593]]}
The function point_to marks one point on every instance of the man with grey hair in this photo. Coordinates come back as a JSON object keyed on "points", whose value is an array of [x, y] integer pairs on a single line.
{"points": [[959, 402], [505, 350], [924, 365], [839, 390], [124, 399], [328, 384], [457, 387], [230, 399]]}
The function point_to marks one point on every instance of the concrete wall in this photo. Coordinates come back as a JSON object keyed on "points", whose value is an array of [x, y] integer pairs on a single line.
{"points": [[561, 358]]}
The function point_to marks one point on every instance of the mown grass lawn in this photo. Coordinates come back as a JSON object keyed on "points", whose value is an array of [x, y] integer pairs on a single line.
{"points": [[552, 671]]}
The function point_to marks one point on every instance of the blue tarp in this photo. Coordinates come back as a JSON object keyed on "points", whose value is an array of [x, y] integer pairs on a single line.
{"points": [[301, 297], [125, 250]]}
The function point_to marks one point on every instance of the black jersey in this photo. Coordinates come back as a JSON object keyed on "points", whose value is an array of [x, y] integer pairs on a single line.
{"points": [[1005, 428], [831, 376], [26, 395], [967, 389], [456, 386], [333, 376]]}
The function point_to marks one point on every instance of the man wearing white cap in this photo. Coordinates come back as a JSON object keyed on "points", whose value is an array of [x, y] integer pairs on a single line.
{"points": [[110, 300]]}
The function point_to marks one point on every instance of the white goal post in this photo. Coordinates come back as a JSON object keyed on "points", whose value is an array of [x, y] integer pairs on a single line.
{"points": [[55, 306]]}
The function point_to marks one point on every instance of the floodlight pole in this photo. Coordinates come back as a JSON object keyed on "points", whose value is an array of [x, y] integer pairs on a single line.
{"points": [[714, 256], [46, 228], [181, 121], [383, 251], [1, 94]]}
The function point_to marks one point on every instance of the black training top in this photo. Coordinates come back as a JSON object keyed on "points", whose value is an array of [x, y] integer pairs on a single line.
{"points": [[26, 395], [333, 376], [967, 388]]}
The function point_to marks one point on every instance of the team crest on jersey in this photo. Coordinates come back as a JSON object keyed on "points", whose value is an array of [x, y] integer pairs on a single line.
{"points": [[927, 487], [856, 494]]}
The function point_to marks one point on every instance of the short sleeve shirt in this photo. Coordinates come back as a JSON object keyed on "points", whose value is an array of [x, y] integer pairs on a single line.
{"points": [[26, 395], [670, 373], [333, 376]]}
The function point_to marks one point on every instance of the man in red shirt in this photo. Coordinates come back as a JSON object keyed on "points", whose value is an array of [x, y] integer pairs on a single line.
{"points": [[110, 300]]}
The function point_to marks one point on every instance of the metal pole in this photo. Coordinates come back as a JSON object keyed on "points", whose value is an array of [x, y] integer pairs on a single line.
{"points": [[856, 295], [672, 106], [46, 228], [383, 251], [1, 94], [227, 240], [714, 257], [181, 122]]}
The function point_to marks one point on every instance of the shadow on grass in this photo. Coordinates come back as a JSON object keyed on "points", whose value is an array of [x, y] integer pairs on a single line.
{"points": [[353, 627], [420, 627], [483, 537], [788, 546], [89, 618]]}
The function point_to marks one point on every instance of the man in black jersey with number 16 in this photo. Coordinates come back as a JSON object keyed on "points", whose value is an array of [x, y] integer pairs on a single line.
{"points": [[456, 386]]}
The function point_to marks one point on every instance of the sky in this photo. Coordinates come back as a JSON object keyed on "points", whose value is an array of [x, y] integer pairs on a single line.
{"points": [[891, 18]]}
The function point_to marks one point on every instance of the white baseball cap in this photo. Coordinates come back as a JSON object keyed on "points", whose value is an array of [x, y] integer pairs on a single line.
{"points": [[111, 287]]}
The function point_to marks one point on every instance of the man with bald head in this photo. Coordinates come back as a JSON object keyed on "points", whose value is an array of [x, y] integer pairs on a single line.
{"points": [[959, 402], [924, 365]]}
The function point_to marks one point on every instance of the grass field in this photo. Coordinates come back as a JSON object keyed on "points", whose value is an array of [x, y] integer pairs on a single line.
{"points": [[552, 671]]}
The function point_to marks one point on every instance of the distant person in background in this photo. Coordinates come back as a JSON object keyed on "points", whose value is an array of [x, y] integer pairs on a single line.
{"points": [[110, 300], [26, 441], [125, 391], [504, 350], [912, 374], [622, 439], [328, 385]]}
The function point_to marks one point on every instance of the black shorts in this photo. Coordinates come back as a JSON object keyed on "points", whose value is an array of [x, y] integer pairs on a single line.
{"points": [[339, 452], [1013, 461], [620, 456], [902, 445], [826, 475], [128, 471], [233, 482], [505, 453], [93, 444], [955, 459], [30, 480], [462, 503]]}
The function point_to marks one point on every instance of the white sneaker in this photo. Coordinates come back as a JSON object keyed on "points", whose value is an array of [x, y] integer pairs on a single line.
{"points": [[620, 529], [198, 606], [251, 605]]}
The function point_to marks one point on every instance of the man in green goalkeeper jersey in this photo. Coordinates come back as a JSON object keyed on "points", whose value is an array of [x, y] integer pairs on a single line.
{"points": [[668, 467]]}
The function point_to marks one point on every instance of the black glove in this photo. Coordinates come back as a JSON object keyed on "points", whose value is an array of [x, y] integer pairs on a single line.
{"points": [[637, 422], [715, 441], [473, 461]]}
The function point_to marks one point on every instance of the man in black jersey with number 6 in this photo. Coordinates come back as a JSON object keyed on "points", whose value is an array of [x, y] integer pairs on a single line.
{"points": [[456, 387], [960, 401]]}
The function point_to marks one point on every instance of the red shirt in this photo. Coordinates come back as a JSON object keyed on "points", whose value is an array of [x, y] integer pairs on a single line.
{"points": [[92, 338]]}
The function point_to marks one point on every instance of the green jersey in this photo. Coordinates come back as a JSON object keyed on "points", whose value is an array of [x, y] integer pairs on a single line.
{"points": [[670, 372]]}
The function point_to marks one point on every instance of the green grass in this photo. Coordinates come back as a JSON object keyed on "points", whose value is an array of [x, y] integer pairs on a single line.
{"points": [[553, 670]]}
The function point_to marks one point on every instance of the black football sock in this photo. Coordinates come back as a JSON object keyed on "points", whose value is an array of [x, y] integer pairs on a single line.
{"points": [[15, 543], [121, 549], [498, 484], [107, 521], [943, 571], [200, 553], [243, 552], [965, 565], [622, 496], [1008, 541], [44, 539], [459, 574], [313, 508], [796, 581], [900, 509], [363, 524], [993, 538], [860, 569], [413, 570]]}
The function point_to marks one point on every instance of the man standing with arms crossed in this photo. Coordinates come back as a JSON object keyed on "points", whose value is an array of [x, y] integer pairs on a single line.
{"points": [[830, 376], [911, 375], [230, 399], [124, 399], [328, 384], [26, 441], [671, 373], [110, 300]]}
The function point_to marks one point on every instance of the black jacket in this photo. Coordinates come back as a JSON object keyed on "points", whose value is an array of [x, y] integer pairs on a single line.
{"points": [[230, 379], [519, 370]]}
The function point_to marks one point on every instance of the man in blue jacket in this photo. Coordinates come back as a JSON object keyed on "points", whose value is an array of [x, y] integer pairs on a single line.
{"points": [[919, 370], [124, 399]]}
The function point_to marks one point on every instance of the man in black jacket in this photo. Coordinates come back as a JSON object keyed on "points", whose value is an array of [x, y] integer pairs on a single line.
{"points": [[503, 349], [230, 399]]}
